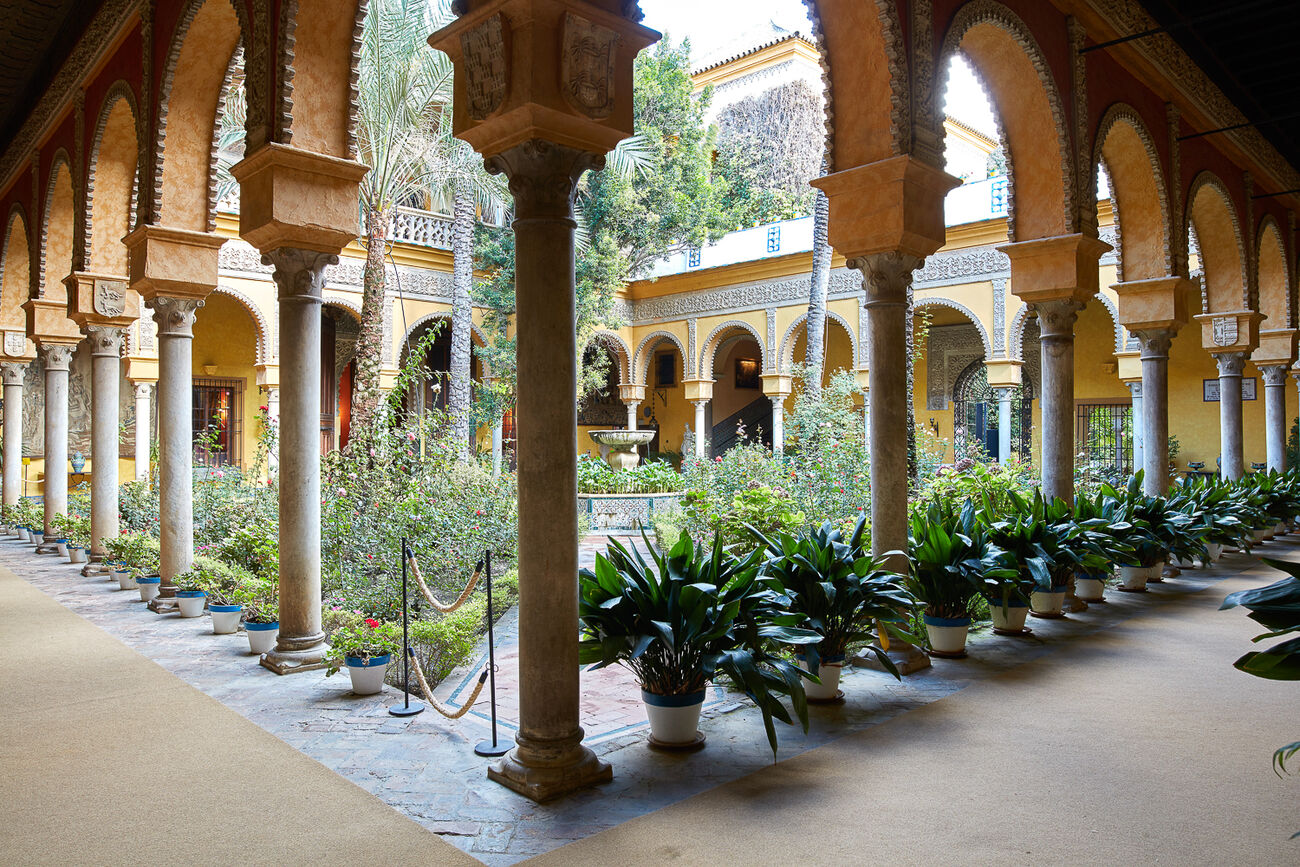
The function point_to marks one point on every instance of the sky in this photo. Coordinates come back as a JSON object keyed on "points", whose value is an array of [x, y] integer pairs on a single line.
{"points": [[712, 23]]}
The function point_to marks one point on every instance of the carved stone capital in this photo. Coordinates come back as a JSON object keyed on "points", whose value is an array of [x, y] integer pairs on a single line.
{"points": [[1155, 342], [143, 390], [299, 275], [1274, 374], [1056, 317], [888, 276], [13, 372], [104, 340], [1230, 363], [543, 176], [174, 316], [57, 356], [1135, 389]]}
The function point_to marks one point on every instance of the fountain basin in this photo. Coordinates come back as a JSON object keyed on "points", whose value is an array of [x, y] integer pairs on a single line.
{"points": [[618, 447]]}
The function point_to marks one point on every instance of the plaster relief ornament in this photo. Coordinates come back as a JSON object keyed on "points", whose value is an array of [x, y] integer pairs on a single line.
{"points": [[486, 62], [587, 66], [15, 343], [1224, 330], [110, 297]]}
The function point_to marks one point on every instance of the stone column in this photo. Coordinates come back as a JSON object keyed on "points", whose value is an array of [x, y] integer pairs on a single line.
{"points": [[1056, 324], [778, 423], [866, 420], [1230, 433], [498, 434], [143, 428], [631, 414], [106, 372], [549, 757], [1139, 422], [1004, 424], [888, 277], [175, 319], [273, 417], [1275, 414], [57, 358], [1155, 409], [13, 373], [701, 438], [300, 278]]}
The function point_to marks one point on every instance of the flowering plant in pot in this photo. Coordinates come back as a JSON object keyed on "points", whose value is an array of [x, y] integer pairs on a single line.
{"points": [[365, 647], [134, 555], [261, 610], [221, 584], [950, 554], [682, 619], [840, 590], [191, 598]]}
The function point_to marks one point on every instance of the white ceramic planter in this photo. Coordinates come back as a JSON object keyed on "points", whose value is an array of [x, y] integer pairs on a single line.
{"points": [[1045, 603], [367, 677], [1214, 550], [126, 579], [947, 635], [24, 535], [148, 588], [76, 555], [225, 618], [261, 636], [1009, 619], [38, 538], [190, 603], [674, 719], [829, 674], [1089, 589], [1263, 535], [1133, 579], [1280, 529], [62, 546]]}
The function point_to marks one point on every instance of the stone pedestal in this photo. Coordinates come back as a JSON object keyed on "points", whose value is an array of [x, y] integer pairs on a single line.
{"points": [[106, 372], [1275, 414], [57, 358], [300, 278], [13, 373], [1230, 432], [143, 428]]}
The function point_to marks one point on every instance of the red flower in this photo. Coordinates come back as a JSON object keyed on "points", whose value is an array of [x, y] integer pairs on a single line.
{"points": [[372, 623]]}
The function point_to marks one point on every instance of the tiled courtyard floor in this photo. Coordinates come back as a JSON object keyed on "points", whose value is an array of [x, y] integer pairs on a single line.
{"points": [[425, 766]]}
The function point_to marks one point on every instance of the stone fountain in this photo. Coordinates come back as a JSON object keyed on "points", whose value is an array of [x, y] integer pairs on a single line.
{"points": [[618, 448]]}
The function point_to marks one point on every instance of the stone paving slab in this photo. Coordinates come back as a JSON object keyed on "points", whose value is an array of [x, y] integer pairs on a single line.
{"points": [[425, 767]]}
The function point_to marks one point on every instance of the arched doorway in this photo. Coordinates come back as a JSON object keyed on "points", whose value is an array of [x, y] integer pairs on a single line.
{"points": [[975, 411]]}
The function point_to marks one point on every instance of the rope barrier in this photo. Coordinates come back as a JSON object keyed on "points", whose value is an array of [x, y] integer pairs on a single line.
{"points": [[428, 693], [428, 594]]}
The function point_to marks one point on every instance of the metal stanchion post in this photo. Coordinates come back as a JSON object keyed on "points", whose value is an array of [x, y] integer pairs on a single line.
{"points": [[406, 709], [491, 748]]}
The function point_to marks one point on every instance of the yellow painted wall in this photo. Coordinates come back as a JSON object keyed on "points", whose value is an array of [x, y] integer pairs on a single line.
{"points": [[225, 335]]}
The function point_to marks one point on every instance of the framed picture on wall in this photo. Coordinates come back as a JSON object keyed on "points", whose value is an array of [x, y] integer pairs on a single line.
{"points": [[665, 369], [1210, 389], [748, 373]]}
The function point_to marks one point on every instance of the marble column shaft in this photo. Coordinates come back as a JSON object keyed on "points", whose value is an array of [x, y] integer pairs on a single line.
{"points": [[1275, 414], [778, 423], [1155, 410], [1231, 452], [57, 358], [143, 428], [701, 439], [1056, 324], [1138, 414], [549, 757], [175, 319], [299, 276], [13, 373], [1004, 425], [632, 408], [105, 376]]}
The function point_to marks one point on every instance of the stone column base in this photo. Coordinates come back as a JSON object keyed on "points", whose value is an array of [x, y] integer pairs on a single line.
{"points": [[294, 661], [163, 604], [95, 568], [545, 783], [47, 548], [907, 658]]}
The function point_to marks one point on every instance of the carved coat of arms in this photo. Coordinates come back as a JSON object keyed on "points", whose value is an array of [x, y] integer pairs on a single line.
{"points": [[1224, 330], [110, 297], [15, 343], [486, 66], [587, 66]]}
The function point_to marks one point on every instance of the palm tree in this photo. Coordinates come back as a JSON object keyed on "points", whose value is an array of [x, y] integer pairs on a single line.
{"points": [[815, 352]]}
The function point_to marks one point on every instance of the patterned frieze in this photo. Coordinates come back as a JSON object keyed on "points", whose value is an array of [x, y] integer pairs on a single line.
{"points": [[845, 283], [242, 259]]}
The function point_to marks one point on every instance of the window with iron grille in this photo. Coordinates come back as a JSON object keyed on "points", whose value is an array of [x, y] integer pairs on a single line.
{"points": [[217, 422], [773, 239], [1104, 437]]}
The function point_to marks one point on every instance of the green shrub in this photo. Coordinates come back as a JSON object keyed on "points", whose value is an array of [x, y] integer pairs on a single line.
{"points": [[221, 581], [254, 548], [442, 644], [652, 477]]}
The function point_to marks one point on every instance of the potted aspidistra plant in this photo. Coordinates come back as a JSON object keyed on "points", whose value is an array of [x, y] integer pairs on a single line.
{"points": [[950, 554], [682, 619], [1148, 528], [839, 589]]}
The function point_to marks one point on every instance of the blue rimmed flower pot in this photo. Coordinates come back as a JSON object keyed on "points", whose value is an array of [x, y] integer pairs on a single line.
{"points": [[828, 671], [1133, 579], [1090, 588], [367, 674], [225, 618], [62, 546], [1048, 603], [674, 719], [190, 602], [125, 577], [149, 586], [1009, 619], [38, 537], [76, 554], [262, 636], [24, 534], [947, 634]]}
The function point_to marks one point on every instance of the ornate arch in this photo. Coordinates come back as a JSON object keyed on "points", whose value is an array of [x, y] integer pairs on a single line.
{"points": [[1120, 112], [785, 355], [1018, 333], [16, 213], [61, 158], [1269, 225], [264, 349], [475, 331], [1121, 333], [965, 311], [980, 12], [647, 345], [346, 303], [616, 344], [714, 340], [1208, 180], [119, 90]]}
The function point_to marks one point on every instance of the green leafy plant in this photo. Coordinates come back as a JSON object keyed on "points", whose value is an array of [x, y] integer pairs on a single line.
{"points": [[653, 477], [221, 581], [260, 599], [688, 616], [769, 510], [838, 588], [136, 551], [365, 640], [950, 555]]}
